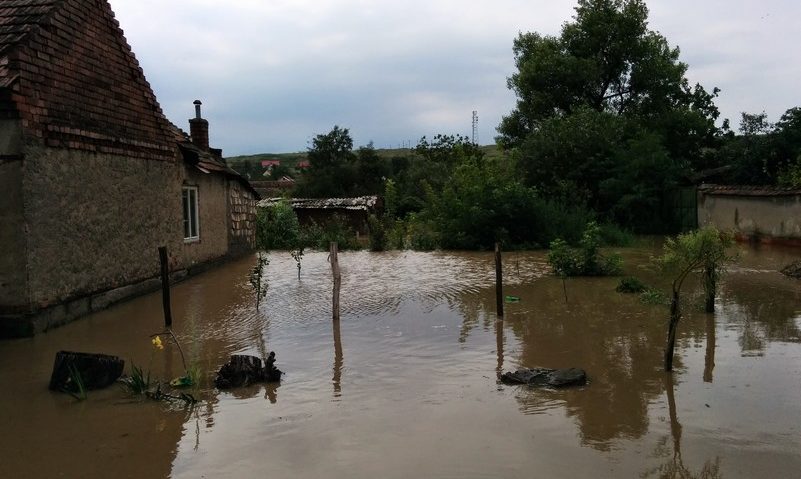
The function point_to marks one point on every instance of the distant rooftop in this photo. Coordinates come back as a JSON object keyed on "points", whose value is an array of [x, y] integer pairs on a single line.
{"points": [[362, 203], [744, 190]]}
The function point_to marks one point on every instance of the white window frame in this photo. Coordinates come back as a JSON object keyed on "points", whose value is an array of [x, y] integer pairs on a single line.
{"points": [[190, 213]]}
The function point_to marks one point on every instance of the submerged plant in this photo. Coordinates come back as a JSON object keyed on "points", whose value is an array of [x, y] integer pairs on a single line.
{"points": [[653, 296], [297, 255], [702, 250], [631, 284], [138, 382], [586, 260], [159, 395], [75, 385], [257, 275]]}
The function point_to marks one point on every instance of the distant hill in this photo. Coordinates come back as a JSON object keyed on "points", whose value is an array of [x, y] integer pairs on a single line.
{"points": [[291, 159]]}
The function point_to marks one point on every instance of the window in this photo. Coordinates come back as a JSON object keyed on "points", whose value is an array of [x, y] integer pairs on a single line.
{"points": [[191, 218]]}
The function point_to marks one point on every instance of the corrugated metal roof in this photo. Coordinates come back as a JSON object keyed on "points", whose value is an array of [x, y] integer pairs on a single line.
{"points": [[363, 203]]}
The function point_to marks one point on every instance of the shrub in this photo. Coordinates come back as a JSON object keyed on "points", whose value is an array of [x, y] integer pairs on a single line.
{"points": [[421, 234], [320, 236], [631, 284], [654, 296], [586, 260], [277, 227]]}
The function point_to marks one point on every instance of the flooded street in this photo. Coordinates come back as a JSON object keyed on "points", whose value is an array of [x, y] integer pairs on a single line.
{"points": [[406, 385]]}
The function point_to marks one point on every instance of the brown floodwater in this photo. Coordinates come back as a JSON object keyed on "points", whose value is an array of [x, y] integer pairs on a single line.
{"points": [[406, 385]]}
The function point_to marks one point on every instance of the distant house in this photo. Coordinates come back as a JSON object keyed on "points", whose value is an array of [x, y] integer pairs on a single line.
{"points": [[94, 177], [303, 164], [267, 164]]}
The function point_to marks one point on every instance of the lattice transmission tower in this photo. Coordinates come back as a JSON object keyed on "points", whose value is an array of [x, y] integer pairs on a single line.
{"points": [[475, 127]]}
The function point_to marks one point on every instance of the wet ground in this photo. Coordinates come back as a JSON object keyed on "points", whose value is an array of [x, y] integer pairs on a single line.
{"points": [[406, 385]]}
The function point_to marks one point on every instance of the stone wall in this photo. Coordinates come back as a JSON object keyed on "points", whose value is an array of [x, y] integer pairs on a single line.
{"points": [[13, 280], [80, 231], [242, 210], [764, 214], [95, 221], [213, 224]]}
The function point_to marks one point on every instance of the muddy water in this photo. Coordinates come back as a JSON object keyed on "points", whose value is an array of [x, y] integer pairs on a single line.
{"points": [[406, 385]]}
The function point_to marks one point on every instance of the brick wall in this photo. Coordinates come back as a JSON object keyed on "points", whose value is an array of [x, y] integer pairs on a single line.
{"points": [[80, 87], [242, 211]]}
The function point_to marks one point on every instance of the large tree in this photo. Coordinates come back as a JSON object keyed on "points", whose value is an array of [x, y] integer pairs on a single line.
{"points": [[586, 96], [331, 165], [606, 60]]}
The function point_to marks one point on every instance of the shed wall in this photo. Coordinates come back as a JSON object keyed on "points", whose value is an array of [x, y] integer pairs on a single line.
{"points": [[752, 216]]}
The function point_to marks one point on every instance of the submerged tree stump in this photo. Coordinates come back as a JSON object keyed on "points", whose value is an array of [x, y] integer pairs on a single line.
{"points": [[555, 378], [244, 370], [96, 370]]}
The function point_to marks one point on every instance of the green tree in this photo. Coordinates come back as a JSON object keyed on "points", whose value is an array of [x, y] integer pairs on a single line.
{"points": [[703, 251], [371, 170], [279, 171], [585, 98], [606, 60], [331, 165], [277, 227], [642, 175]]}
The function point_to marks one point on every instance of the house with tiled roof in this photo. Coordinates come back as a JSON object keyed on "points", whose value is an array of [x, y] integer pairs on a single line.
{"points": [[94, 177]]}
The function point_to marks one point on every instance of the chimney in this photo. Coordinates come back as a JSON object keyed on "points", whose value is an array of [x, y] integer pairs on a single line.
{"points": [[199, 129]]}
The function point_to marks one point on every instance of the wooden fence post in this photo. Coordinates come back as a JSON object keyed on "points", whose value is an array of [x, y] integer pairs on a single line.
{"points": [[165, 286], [498, 280], [337, 279]]}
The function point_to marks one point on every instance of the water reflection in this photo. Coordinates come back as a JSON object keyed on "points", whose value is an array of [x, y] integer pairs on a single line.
{"points": [[499, 346], [757, 314], [616, 340], [674, 467], [424, 350], [338, 361], [709, 357]]}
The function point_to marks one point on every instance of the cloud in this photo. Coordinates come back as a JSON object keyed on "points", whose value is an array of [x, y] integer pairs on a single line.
{"points": [[273, 74]]}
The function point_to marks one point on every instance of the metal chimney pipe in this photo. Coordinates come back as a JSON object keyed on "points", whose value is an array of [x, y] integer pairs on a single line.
{"points": [[197, 109]]}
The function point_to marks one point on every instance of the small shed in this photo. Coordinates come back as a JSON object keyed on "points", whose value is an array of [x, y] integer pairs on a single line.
{"points": [[353, 211]]}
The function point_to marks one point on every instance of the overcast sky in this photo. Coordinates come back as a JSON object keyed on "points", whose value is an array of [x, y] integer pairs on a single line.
{"points": [[274, 73]]}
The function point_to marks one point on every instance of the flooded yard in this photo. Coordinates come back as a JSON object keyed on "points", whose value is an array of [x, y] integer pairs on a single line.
{"points": [[406, 385]]}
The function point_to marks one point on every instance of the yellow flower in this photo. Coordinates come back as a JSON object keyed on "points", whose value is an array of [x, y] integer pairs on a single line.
{"points": [[157, 343]]}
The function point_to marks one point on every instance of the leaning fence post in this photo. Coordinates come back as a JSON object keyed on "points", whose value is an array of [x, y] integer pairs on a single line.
{"points": [[498, 280], [165, 286], [337, 279]]}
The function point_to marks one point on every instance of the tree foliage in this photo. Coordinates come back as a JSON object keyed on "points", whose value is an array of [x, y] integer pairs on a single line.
{"points": [[600, 105], [703, 251], [335, 170], [277, 227], [586, 260]]}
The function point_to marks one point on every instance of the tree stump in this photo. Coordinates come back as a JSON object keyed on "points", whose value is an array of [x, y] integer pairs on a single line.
{"points": [[96, 370], [244, 370]]}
